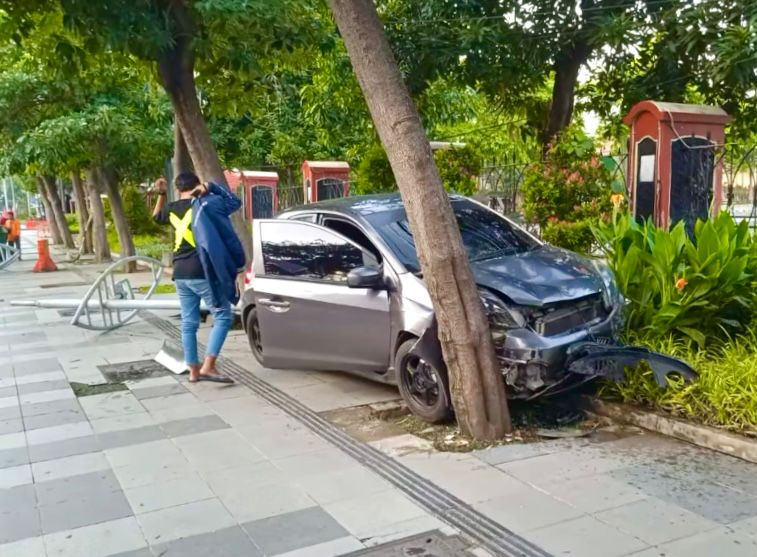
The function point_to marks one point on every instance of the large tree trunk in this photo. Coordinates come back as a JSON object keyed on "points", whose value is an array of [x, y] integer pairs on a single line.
{"points": [[478, 390], [567, 66], [182, 162], [176, 71], [99, 231], [60, 215], [110, 181], [82, 211], [52, 223]]}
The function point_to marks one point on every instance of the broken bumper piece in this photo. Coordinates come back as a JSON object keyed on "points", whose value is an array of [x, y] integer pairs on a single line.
{"points": [[594, 359]]}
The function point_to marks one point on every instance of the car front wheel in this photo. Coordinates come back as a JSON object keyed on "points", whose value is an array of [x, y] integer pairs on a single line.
{"points": [[253, 335], [422, 386]]}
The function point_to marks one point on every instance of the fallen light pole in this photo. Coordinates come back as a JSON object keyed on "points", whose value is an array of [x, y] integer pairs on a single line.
{"points": [[110, 303]]}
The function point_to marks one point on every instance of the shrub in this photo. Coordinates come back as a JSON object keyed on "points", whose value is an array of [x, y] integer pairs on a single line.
{"points": [[568, 192], [725, 395], [73, 223], [138, 214], [700, 289], [374, 174]]}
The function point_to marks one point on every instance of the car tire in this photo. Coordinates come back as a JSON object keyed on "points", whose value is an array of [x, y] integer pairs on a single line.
{"points": [[428, 403], [253, 335]]}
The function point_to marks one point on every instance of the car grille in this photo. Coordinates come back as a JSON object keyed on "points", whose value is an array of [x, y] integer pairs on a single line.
{"points": [[566, 317]]}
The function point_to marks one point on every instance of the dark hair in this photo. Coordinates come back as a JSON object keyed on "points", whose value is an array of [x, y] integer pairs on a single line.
{"points": [[186, 181]]}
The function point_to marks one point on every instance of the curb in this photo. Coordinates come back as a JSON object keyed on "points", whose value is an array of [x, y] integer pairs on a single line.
{"points": [[701, 435]]}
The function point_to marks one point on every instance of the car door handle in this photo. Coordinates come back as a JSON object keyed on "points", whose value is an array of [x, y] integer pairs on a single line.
{"points": [[273, 305]]}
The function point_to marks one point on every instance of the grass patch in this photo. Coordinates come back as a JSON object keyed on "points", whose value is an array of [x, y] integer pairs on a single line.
{"points": [[83, 389], [149, 245], [724, 396], [161, 289]]}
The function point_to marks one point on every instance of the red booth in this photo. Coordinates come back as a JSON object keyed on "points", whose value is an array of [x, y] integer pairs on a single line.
{"points": [[258, 190], [674, 172], [325, 180]]}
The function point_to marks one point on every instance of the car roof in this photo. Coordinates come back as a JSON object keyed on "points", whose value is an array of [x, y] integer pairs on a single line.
{"points": [[359, 205]]}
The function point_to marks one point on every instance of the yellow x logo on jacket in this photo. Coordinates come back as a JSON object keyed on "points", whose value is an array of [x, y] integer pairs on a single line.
{"points": [[183, 227]]}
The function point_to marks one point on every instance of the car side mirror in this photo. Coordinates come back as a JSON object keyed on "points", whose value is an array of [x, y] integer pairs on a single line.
{"points": [[365, 277]]}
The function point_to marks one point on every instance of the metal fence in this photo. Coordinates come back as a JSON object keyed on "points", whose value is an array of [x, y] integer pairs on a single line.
{"points": [[740, 182]]}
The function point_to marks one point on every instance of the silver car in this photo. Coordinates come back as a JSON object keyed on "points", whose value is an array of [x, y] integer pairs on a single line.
{"points": [[337, 286]]}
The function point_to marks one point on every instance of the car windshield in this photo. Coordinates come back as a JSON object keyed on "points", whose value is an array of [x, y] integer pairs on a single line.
{"points": [[485, 234]]}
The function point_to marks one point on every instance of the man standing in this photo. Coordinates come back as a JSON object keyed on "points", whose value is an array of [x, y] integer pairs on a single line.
{"points": [[3, 237], [196, 279], [13, 228]]}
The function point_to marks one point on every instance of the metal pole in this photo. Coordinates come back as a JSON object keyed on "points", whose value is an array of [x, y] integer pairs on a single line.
{"points": [[5, 193], [13, 194]]}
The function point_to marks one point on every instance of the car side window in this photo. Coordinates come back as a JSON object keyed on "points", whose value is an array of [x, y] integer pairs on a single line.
{"points": [[307, 217], [298, 250], [349, 230]]}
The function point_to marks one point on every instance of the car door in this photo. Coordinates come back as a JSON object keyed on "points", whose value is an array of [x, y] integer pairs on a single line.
{"points": [[309, 318]]}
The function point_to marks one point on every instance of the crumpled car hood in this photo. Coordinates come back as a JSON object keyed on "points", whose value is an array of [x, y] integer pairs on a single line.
{"points": [[541, 276]]}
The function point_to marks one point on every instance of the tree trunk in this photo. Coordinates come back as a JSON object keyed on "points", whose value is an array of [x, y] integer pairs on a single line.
{"points": [[182, 162], [60, 215], [85, 235], [110, 181], [176, 72], [567, 66], [477, 386], [52, 223], [99, 232]]}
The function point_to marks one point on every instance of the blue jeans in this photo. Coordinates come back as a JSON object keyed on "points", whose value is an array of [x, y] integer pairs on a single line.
{"points": [[191, 292]]}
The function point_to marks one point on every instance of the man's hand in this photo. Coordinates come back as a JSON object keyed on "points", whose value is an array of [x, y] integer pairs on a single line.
{"points": [[200, 190], [161, 185]]}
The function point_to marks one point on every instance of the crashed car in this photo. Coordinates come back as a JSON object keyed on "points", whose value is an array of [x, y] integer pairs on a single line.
{"points": [[337, 286]]}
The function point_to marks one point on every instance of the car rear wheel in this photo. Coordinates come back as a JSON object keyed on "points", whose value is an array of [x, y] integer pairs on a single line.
{"points": [[422, 386], [253, 335]]}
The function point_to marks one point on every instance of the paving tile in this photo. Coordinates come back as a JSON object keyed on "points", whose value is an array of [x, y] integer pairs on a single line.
{"points": [[15, 476], [386, 533], [229, 542], [76, 487], [18, 497], [166, 494], [108, 405], [61, 449], [208, 391], [166, 402], [316, 462], [40, 377], [144, 552], [515, 452], [99, 540], [50, 420], [9, 402], [46, 396], [365, 514], [295, 530], [126, 437], [722, 542], [151, 382], [218, 449], [565, 465], [656, 522], [587, 537], [185, 520], [19, 523], [158, 391], [69, 466], [36, 366], [6, 382], [342, 546], [594, 493], [13, 457], [155, 451], [298, 442], [58, 433], [192, 426], [52, 407], [29, 547], [96, 507], [120, 423], [8, 391], [193, 410], [15, 425], [229, 481], [270, 500], [330, 487], [10, 413], [12, 440], [42, 386]]}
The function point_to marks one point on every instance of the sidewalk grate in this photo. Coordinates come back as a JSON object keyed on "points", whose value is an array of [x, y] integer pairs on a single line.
{"points": [[479, 528], [428, 544], [131, 371]]}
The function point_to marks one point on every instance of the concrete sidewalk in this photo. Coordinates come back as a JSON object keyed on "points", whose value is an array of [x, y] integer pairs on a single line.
{"points": [[168, 468]]}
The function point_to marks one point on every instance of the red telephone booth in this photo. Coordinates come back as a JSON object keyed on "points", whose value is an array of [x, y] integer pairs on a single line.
{"points": [[258, 190], [674, 172], [325, 180]]}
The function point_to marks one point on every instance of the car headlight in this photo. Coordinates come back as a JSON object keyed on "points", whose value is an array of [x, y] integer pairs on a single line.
{"points": [[501, 318], [610, 294]]}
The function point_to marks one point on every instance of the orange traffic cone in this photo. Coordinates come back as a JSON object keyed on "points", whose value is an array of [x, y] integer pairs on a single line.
{"points": [[44, 263]]}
